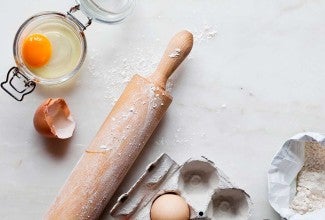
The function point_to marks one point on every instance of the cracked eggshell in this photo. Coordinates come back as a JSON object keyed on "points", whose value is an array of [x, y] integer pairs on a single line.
{"points": [[198, 181], [282, 176], [53, 119]]}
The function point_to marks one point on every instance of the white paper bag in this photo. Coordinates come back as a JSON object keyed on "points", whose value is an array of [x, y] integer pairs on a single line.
{"points": [[282, 176]]}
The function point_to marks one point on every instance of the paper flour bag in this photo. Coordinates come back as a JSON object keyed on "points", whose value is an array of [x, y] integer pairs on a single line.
{"points": [[296, 178]]}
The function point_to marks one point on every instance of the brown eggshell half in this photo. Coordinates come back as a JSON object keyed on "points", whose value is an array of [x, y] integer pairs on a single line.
{"points": [[52, 119]]}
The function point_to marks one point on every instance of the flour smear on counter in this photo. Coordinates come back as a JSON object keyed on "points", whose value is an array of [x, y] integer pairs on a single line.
{"points": [[116, 74], [310, 194]]}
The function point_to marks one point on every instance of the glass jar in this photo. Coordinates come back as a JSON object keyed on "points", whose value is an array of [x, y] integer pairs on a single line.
{"points": [[50, 47]]}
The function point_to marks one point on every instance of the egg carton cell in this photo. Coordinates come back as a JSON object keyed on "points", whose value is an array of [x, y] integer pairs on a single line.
{"points": [[205, 188], [231, 203]]}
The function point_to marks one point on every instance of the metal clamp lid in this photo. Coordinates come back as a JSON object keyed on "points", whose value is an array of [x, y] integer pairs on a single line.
{"points": [[17, 84], [75, 9]]}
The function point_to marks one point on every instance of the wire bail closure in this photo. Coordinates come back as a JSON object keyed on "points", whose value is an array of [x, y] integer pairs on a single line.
{"points": [[17, 85], [74, 10]]}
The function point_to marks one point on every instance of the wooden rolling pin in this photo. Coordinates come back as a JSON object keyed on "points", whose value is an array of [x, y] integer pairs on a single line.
{"points": [[120, 139]]}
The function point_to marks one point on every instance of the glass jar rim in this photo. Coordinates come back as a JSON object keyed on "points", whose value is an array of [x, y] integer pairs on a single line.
{"points": [[105, 15], [25, 70]]}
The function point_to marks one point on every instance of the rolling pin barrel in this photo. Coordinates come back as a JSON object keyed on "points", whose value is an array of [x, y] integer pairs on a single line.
{"points": [[120, 140]]}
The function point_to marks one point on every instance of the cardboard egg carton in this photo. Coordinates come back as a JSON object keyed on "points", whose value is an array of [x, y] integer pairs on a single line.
{"points": [[207, 190]]}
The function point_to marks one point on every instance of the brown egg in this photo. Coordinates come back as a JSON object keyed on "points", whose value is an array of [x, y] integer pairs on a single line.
{"points": [[169, 207], [53, 119]]}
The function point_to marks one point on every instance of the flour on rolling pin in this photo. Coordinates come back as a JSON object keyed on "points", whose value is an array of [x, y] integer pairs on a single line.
{"points": [[175, 53], [149, 100], [120, 139]]}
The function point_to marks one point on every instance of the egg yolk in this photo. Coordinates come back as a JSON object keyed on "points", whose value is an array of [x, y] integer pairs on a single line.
{"points": [[36, 50]]}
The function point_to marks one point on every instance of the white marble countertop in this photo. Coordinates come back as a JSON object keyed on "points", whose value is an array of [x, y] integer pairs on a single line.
{"points": [[254, 79]]}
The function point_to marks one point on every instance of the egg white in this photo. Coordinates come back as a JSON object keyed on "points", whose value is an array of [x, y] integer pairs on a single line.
{"points": [[66, 49]]}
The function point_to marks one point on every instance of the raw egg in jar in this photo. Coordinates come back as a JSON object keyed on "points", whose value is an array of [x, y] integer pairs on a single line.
{"points": [[51, 49]]}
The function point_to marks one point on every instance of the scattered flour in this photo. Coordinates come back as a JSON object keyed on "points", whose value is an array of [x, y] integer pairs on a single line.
{"points": [[310, 194], [208, 32], [116, 73]]}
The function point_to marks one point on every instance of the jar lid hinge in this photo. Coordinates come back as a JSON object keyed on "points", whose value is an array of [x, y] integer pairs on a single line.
{"points": [[75, 9]]}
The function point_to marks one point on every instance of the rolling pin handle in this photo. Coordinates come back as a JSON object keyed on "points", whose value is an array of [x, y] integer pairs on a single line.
{"points": [[177, 50]]}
